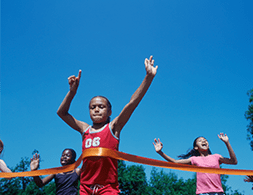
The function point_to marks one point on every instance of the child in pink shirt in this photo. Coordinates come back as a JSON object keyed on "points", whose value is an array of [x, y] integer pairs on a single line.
{"points": [[201, 156]]}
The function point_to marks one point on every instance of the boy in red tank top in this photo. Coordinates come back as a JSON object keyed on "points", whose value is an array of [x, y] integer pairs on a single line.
{"points": [[99, 174]]}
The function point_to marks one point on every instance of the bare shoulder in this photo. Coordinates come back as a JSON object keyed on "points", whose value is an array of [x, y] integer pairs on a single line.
{"points": [[116, 126], [113, 123], [83, 126], [78, 171]]}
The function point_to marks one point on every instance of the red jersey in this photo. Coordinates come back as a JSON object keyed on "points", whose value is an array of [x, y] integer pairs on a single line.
{"points": [[100, 170]]}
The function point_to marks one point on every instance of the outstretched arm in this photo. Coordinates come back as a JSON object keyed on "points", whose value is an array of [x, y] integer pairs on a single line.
{"points": [[4, 168], [119, 122], [232, 160], [34, 165], [63, 110], [158, 148], [249, 178]]}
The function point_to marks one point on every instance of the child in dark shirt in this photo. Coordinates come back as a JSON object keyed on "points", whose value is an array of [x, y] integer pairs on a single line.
{"points": [[66, 183]]}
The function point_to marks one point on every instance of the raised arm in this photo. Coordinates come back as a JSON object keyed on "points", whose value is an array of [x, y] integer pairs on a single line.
{"points": [[232, 160], [63, 110], [34, 165], [158, 148], [119, 122]]}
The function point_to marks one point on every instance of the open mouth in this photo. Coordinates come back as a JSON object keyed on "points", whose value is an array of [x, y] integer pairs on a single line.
{"points": [[63, 160], [204, 145]]}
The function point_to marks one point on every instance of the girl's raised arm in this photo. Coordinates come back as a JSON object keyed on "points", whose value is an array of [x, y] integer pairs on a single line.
{"points": [[232, 160], [63, 110], [118, 123], [34, 165], [158, 148]]}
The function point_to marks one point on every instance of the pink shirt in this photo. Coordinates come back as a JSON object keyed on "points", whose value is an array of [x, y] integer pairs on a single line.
{"points": [[207, 182]]}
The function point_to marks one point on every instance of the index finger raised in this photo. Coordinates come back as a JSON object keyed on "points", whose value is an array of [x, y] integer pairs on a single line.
{"points": [[79, 74]]}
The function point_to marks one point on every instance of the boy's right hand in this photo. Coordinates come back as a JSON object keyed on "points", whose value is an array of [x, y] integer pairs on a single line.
{"points": [[35, 161], [149, 66], [158, 145], [74, 82]]}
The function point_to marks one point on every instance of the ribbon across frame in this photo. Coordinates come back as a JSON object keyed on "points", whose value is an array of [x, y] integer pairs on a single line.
{"points": [[104, 152]]}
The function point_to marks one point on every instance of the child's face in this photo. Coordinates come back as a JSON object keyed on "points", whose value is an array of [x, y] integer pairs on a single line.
{"points": [[202, 144], [99, 110], [66, 157]]}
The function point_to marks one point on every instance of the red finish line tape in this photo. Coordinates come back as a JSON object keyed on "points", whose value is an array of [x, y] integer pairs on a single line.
{"points": [[104, 152]]}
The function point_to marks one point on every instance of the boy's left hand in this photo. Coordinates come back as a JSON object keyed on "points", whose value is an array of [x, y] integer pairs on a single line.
{"points": [[149, 66]]}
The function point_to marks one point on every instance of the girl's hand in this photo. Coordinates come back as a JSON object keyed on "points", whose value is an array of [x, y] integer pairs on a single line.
{"points": [[35, 161], [74, 82], [249, 178], [158, 145], [223, 137], [149, 66]]}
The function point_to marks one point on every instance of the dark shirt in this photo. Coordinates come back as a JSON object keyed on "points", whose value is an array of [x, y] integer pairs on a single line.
{"points": [[66, 183]]}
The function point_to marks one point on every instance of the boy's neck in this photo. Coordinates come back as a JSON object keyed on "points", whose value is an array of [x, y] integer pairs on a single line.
{"points": [[98, 126]]}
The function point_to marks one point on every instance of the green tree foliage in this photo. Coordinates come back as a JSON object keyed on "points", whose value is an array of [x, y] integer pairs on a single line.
{"points": [[132, 179], [168, 183], [249, 116], [50, 189]]}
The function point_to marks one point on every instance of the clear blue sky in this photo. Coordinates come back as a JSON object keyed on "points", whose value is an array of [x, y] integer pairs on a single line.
{"points": [[203, 50]]}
